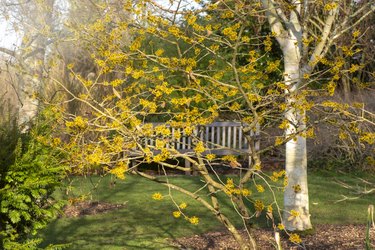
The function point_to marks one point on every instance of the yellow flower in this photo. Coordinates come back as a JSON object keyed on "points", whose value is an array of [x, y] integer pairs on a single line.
{"points": [[285, 182], [260, 188], [157, 196], [237, 191], [230, 183], [56, 141], [258, 167], [246, 192], [284, 124], [199, 148], [297, 188], [183, 205], [194, 220], [295, 238], [210, 157], [356, 33], [160, 144], [269, 209], [78, 122], [176, 214], [245, 39], [259, 206], [235, 106], [294, 213], [280, 226], [119, 170], [230, 158], [159, 52], [330, 6]]}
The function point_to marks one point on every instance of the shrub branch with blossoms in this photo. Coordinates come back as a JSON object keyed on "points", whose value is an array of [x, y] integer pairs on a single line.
{"points": [[184, 69]]}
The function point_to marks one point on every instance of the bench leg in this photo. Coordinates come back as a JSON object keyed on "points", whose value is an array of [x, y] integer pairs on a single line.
{"points": [[188, 165]]}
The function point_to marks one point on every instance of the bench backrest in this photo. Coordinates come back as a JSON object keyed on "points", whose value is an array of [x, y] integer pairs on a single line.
{"points": [[220, 138]]}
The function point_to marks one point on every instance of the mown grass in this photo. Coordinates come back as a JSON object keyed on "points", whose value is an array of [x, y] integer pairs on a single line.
{"points": [[148, 224]]}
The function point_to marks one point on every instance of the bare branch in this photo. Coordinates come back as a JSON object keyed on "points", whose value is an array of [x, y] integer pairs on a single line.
{"points": [[275, 17], [353, 25], [323, 43], [7, 51]]}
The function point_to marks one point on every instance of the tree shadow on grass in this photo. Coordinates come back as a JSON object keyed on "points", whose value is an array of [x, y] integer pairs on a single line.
{"points": [[132, 227], [109, 231], [142, 224]]}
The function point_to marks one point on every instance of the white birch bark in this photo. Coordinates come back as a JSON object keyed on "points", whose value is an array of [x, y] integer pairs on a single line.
{"points": [[300, 59], [289, 37], [296, 199]]}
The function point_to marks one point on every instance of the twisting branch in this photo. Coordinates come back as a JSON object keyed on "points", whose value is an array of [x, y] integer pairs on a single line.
{"points": [[325, 34]]}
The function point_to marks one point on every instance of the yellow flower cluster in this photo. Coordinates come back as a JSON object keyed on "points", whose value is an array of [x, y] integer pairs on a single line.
{"points": [[210, 157], [260, 188], [181, 101], [297, 188], [191, 19], [245, 39], [163, 88], [150, 106], [164, 155], [245, 192], [294, 213], [199, 147], [368, 137], [157, 196], [162, 130], [295, 238], [230, 158], [268, 44], [330, 6], [230, 189], [183, 205], [136, 45], [279, 140], [136, 74], [117, 144], [227, 14], [356, 33], [174, 30], [230, 33], [194, 220], [331, 87], [96, 157], [272, 66], [78, 123], [286, 181], [176, 214], [259, 205], [159, 144], [119, 170], [276, 175], [235, 106], [284, 124]]}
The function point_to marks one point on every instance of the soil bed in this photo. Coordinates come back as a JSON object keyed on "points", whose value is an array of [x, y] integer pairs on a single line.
{"points": [[326, 237], [89, 208], [337, 237]]}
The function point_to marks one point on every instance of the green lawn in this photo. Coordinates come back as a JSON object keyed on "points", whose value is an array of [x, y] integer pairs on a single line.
{"points": [[145, 223]]}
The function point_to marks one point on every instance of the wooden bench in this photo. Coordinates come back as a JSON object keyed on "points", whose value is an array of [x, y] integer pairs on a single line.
{"points": [[219, 138]]}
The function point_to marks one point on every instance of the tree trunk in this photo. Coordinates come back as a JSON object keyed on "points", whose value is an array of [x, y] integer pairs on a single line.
{"points": [[29, 106], [243, 245], [296, 192], [345, 80]]}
